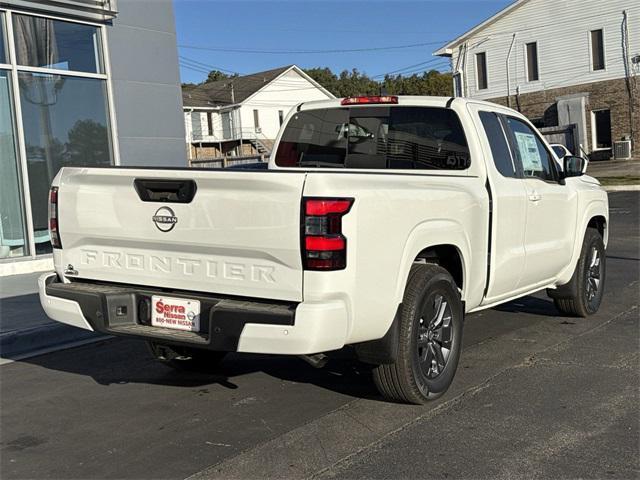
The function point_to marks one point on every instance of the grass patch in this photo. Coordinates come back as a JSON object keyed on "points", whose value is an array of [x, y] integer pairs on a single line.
{"points": [[623, 180]]}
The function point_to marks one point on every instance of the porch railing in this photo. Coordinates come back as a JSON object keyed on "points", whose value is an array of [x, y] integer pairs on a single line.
{"points": [[225, 162]]}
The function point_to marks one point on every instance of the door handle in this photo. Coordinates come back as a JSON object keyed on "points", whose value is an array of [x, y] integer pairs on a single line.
{"points": [[535, 196]]}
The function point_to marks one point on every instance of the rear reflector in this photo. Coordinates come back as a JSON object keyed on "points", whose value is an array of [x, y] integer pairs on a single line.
{"points": [[376, 99], [323, 245]]}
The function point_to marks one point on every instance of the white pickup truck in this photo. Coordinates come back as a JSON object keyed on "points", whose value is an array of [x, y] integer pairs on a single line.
{"points": [[380, 222]]}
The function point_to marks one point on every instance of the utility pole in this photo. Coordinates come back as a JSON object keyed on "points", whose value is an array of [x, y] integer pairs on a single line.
{"points": [[233, 101]]}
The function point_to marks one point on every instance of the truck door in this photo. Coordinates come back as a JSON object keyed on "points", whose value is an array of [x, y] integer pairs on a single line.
{"points": [[509, 207], [551, 206]]}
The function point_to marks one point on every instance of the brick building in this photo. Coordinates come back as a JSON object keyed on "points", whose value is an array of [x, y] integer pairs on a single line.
{"points": [[562, 63]]}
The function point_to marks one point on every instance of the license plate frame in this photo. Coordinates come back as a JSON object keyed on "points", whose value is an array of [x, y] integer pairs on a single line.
{"points": [[175, 313]]}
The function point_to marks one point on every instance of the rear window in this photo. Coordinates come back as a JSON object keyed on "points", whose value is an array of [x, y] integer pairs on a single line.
{"points": [[396, 137]]}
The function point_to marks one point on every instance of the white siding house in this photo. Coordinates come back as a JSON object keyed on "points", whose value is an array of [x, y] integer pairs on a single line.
{"points": [[536, 53], [242, 115]]}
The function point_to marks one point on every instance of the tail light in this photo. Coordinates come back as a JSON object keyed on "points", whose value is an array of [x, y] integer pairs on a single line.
{"points": [[53, 218], [376, 99], [323, 245]]}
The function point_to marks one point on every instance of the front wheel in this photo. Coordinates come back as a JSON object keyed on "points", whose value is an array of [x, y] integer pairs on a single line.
{"points": [[430, 338], [582, 296]]}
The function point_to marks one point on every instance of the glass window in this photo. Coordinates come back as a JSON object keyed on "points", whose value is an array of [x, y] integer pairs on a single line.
{"points": [[532, 62], [12, 233], [196, 124], [210, 124], [498, 143], [560, 151], [3, 42], [597, 50], [602, 128], [535, 159], [375, 137], [481, 68], [65, 123], [42, 42]]}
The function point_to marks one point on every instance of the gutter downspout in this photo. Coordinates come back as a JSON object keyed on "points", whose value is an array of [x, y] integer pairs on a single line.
{"points": [[513, 41], [191, 135], [465, 85], [630, 80], [239, 110]]}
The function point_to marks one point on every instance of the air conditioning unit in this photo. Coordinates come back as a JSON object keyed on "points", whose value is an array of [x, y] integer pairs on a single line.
{"points": [[622, 150]]}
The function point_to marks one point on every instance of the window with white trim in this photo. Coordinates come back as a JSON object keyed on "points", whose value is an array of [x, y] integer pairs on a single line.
{"points": [[597, 50], [481, 69], [533, 73]]}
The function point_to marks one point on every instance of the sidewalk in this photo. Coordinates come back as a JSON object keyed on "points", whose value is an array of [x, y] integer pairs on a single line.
{"points": [[24, 328], [616, 173]]}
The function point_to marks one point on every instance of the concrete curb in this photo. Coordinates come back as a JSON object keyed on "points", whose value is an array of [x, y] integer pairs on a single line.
{"points": [[622, 188], [29, 342]]}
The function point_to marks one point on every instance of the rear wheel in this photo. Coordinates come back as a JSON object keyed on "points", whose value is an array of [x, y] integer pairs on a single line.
{"points": [[582, 296], [429, 341], [186, 358]]}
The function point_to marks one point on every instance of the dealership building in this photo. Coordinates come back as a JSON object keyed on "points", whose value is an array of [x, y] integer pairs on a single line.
{"points": [[82, 83]]}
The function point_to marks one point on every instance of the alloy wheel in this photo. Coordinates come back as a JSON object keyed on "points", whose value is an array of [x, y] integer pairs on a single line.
{"points": [[435, 335], [593, 275]]}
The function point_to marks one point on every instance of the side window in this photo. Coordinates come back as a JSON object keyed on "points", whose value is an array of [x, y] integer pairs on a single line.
{"points": [[535, 159], [499, 148]]}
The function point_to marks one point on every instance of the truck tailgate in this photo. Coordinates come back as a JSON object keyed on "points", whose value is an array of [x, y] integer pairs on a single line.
{"points": [[239, 235]]}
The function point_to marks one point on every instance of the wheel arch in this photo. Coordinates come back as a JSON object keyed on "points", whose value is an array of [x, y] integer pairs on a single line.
{"points": [[443, 242], [596, 215], [599, 222], [447, 256]]}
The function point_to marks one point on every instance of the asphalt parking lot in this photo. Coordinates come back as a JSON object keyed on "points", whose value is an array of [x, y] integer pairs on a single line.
{"points": [[536, 395]]}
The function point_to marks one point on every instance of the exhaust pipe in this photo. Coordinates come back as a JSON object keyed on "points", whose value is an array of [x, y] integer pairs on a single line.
{"points": [[317, 360]]}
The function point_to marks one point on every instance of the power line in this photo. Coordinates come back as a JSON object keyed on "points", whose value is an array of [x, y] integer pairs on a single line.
{"points": [[424, 68], [408, 67], [400, 71], [198, 63], [375, 78], [289, 52], [195, 69]]}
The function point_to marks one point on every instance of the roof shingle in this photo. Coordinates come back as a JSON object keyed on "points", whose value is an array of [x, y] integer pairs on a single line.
{"points": [[218, 93]]}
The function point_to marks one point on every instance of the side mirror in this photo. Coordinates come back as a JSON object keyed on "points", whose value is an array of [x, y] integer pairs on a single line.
{"points": [[574, 166]]}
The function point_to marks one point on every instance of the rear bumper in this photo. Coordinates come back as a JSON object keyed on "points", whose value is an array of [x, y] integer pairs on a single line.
{"points": [[228, 324]]}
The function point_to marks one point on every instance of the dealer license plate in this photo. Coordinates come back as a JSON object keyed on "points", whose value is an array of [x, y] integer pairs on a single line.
{"points": [[176, 313]]}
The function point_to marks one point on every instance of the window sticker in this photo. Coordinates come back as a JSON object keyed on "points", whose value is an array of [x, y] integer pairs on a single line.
{"points": [[529, 152]]}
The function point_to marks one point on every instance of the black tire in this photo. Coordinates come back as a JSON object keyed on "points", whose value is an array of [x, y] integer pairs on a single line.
{"points": [[582, 296], [413, 377], [186, 358]]}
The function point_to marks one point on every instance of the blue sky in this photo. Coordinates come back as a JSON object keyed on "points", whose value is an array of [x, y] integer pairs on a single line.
{"points": [[305, 25]]}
